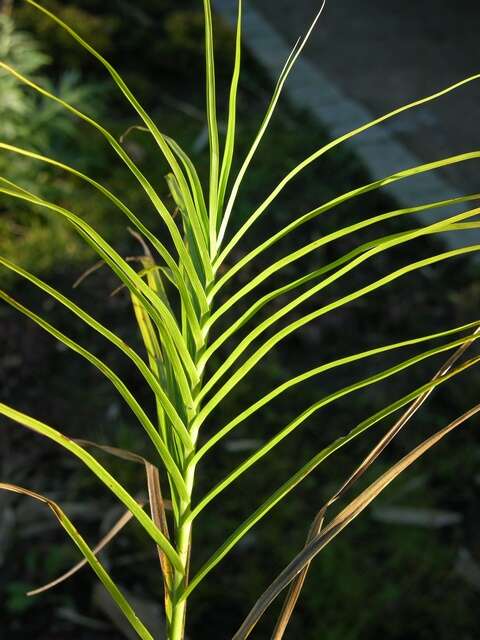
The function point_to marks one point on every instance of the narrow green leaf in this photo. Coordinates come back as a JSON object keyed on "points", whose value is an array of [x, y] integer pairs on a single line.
{"points": [[89, 556], [212, 126], [314, 156], [152, 381], [285, 386], [101, 473], [178, 279], [280, 335], [200, 207], [327, 239], [232, 114], [294, 284], [263, 127], [115, 380], [157, 135], [153, 304], [401, 175], [300, 419], [147, 187], [290, 484]]}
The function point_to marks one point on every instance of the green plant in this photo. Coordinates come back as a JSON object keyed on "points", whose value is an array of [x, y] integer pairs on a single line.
{"points": [[174, 31], [42, 126], [178, 297], [36, 121]]}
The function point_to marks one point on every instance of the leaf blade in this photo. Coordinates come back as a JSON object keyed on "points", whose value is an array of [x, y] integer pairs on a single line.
{"points": [[89, 556], [102, 474]]}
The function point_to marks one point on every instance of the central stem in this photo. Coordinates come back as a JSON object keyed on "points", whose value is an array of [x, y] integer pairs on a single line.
{"points": [[180, 579], [176, 629]]}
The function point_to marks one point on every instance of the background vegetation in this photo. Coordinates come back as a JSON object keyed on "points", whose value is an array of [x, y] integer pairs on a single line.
{"points": [[380, 579]]}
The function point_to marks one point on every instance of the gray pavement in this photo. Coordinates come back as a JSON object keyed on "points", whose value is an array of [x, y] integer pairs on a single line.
{"points": [[366, 58], [383, 54]]}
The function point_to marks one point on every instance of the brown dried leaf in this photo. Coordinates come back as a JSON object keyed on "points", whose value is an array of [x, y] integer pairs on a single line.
{"points": [[339, 522], [296, 587]]}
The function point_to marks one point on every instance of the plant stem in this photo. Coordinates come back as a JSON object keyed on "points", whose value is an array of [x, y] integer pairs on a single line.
{"points": [[176, 629], [180, 580]]}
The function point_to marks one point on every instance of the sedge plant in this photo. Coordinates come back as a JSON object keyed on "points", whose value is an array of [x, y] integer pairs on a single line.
{"points": [[178, 294]]}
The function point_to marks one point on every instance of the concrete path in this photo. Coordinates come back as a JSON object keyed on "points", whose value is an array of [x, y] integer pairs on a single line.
{"points": [[366, 58]]}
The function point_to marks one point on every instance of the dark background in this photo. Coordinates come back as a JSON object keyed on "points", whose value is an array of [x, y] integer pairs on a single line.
{"points": [[379, 579]]}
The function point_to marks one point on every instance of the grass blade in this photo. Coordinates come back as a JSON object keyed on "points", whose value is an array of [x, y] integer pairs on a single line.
{"points": [[290, 484], [152, 303], [151, 380], [315, 529], [401, 175], [119, 385], [157, 135], [293, 326], [102, 474], [200, 207], [344, 518], [232, 114], [263, 127], [316, 406], [147, 187], [294, 284], [162, 250], [252, 409], [324, 240], [89, 556], [314, 156], [212, 125]]}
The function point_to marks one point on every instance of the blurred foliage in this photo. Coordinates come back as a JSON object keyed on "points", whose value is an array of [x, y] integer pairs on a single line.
{"points": [[173, 59], [17, 601], [31, 121], [99, 30], [163, 38]]}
